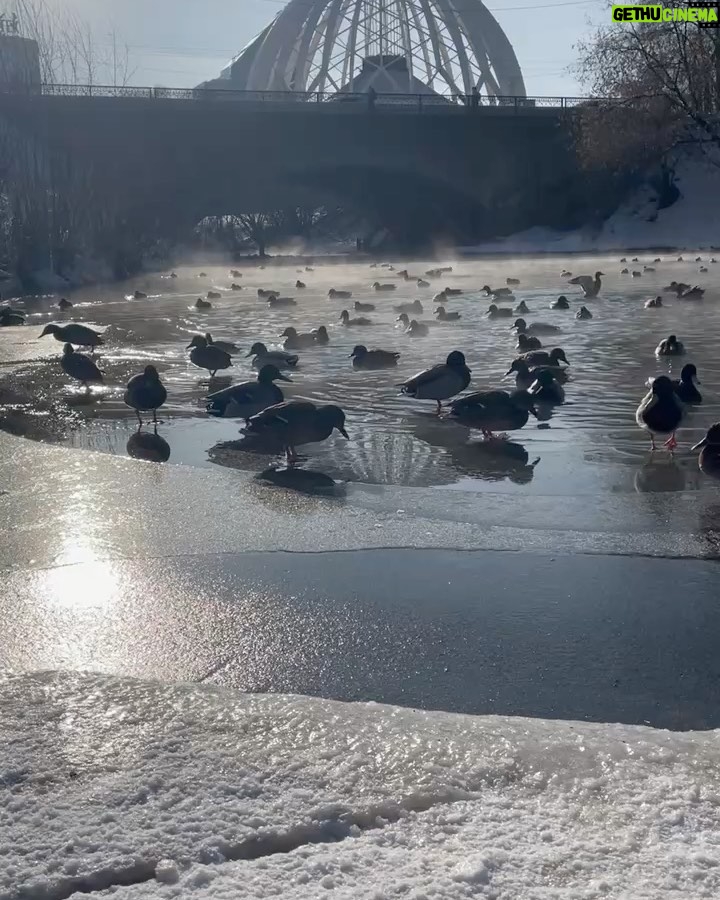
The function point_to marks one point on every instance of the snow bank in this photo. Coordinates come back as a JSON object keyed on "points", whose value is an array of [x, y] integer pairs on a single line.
{"points": [[140, 790], [693, 221]]}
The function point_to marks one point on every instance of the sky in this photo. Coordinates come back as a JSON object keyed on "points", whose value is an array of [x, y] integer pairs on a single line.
{"points": [[180, 43]]}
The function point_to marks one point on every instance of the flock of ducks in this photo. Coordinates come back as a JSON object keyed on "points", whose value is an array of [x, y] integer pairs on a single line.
{"points": [[540, 374]]}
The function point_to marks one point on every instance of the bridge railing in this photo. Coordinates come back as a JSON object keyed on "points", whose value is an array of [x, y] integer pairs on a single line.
{"points": [[417, 102]]}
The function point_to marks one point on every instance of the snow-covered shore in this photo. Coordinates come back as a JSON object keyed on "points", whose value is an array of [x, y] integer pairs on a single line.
{"points": [[140, 790]]}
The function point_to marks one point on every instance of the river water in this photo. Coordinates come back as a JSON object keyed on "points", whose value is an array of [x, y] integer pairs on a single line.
{"points": [[589, 445]]}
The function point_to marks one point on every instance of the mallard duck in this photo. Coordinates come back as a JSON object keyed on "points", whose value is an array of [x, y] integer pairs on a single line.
{"points": [[499, 312], [670, 346], [494, 410], [403, 320], [698, 259], [433, 273], [623, 259], [202, 275], [350, 323], [264, 357], [525, 376], [583, 313], [522, 327], [590, 286], [373, 359], [525, 343], [321, 335], [565, 274], [236, 287], [266, 294], [512, 281], [227, 346], [64, 304], [546, 389], [300, 285], [442, 315], [78, 335], [702, 269], [660, 412], [709, 447], [685, 386], [496, 292], [417, 329], [624, 271], [634, 259], [635, 274], [414, 307], [440, 298], [297, 422], [676, 287], [214, 295], [560, 303], [249, 398], [208, 356], [173, 275], [648, 269], [281, 302], [522, 308], [452, 292], [145, 391], [440, 382], [692, 293], [421, 283], [236, 273], [202, 304], [653, 303], [543, 358], [10, 317], [295, 341], [383, 288], [80, 367], [679, 259], [339, 295], [140, 295], [657, 259], [364, 307]]}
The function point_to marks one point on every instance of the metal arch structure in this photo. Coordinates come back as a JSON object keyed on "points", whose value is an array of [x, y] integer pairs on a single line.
{"points": [[395, 46]]}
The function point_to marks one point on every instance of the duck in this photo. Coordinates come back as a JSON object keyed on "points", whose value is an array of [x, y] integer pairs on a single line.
{"points": [[236, 287], [383, 288], [623, 259], [522, 327], [202, 275], [417, 329], [77, 335], [522, 308], [321, 336], [403, 320], [373, 359], [350, 323], [421, 283], [173, 275], [677, 287], [512, 281], [214, 295], [339, 295], [208, 356], [496, 292], [492, 411], [145, 392], [692, 293], [454, 292], [709, 447], [624, 271], [660, 411], [685, 386], [227, 346], [680, 259], [202, 304], [590, 286], [499, 312], [10, 317], [64, 304], [440, 382], [364, 307], [546, 389], [139, 295], [670, 346], [525, 376], [565, 274], [440, 298], [236, 273], [295, 341], [713, 260], [583, 313], [80, 367], [544, 358], [300, 285], [274, 302], [648, 269], [702, 269], [266, 294], [653, 303], [414, 307], [635, 274], [433, 273], [309, 269], [560, 303], [442, 315], [297, 422], [698, 259], [657, 259], [635, 259], [526, 343], [264, 357], [249, 398]]}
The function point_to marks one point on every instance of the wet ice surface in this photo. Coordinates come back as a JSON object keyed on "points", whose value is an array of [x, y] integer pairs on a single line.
{"points": [[591, 446], [136, 790]]}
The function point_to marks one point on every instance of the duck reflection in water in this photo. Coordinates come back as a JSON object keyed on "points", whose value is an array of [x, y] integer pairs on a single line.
{"points": [[305, 481], [149, 446], [660, 475]]}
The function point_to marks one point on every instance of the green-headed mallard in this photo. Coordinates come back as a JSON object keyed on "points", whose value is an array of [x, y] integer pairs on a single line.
{"points": [[442, 315], [670, 346], [590, 286], [373, 359], [208, 356], [660, 411], [351, 323], [709, 447], [80, 367], [145, 392], [296, 341], [526, 343], [685, 386], [546, 389], [583, 313], [491, 411], [297, 422], [250, 397], [440, 382], [78, 335], [264, 357]]}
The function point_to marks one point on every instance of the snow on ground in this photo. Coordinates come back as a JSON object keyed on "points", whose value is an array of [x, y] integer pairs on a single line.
{"points": [[692, 221], [140, 790]]}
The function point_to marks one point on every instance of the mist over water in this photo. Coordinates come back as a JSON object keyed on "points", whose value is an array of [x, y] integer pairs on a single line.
{"points": [[591, 444]]}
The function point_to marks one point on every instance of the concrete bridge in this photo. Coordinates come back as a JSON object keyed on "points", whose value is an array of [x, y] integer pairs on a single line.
{"points": [[422, 167]]}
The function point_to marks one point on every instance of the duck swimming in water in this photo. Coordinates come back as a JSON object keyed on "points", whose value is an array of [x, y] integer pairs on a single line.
{"points": [[295, 341], [660, 411], [281, 302], [522, 308], [670, 346], [709, 447], [590, 286], [64, 304], [264, 357], [499, 312], [364, 307], [249, 398], [583, 313], [653, 303], [208, 356], [373, 359], [496, 292], [297, 422], [322, 338], [214, 295], [525, 343], [383, 288], [145, 392], [421, 283], [522, 327], [440, 382], [80, 367], [546, 389], [78, 335], [492, 411], [351, 323], [202, 304], [339, 295], [512, 281], [685, 387], [266, 294], [417, 329], [560, 303], [525, 376], [300, 285], [139, 295], [415, 307], [442, 315]]}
